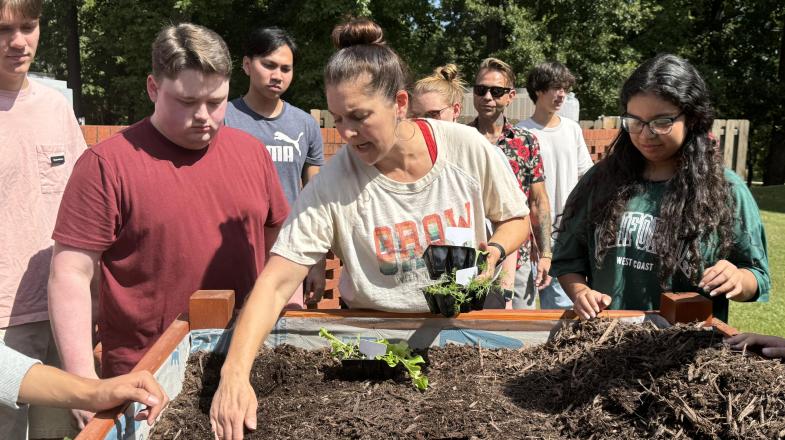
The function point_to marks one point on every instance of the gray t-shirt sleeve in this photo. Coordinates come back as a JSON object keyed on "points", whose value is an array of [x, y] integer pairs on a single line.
{"points": [[14, 366], [315, 155]]}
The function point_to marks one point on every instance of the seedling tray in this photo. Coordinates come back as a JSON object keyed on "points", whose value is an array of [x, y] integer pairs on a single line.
{"points": [[365, 369], [441, 259]]}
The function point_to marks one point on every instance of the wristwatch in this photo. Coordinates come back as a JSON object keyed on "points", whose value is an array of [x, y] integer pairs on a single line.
{"points": [[546, 254], [502, 252]]}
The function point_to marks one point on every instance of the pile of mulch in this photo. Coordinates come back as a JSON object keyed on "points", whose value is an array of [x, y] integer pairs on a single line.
{"points": [[600, 379]]}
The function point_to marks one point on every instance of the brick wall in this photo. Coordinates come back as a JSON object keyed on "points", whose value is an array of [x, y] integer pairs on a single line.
{"points": [[596, 140], [94, 134]]}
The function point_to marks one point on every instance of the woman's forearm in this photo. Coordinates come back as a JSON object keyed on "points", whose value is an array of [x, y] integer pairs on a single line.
{"points": [[573, 283], [268, 297], [511, 234], [48, 386]]}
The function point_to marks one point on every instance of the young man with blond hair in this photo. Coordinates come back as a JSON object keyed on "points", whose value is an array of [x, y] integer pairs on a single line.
{"points": [[565, 155], [173, 204], [494, 90], [40, 141]]}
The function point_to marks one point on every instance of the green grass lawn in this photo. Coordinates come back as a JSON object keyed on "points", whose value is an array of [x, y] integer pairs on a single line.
{"points": [[768, 317]]}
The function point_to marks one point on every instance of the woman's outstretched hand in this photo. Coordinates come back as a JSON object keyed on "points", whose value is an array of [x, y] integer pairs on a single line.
{"points": [[234, 406], [589, 303]]}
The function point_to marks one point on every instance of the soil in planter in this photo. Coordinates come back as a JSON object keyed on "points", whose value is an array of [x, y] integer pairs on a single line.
{"points": [[596, 380]]}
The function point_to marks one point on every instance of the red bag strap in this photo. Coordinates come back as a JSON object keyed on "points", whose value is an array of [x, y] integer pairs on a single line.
{"points": [[426, 133]]}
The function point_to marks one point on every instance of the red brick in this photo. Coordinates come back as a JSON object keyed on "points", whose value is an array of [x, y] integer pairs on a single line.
{"points": [[609, 133], [118, 128], [334, 136], [685, 307]]}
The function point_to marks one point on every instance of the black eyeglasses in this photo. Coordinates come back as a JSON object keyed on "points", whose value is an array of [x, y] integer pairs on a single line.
{"points": [[433, 114], [635, 125], [496, 92]]}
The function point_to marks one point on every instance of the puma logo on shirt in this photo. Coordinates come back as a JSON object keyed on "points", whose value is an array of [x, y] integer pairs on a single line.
{"points": [[285, 153]]}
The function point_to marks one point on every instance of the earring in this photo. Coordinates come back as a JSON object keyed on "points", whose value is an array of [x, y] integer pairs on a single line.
{"points": [[398, 124]]}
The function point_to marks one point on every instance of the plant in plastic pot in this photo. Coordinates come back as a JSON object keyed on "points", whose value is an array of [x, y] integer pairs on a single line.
{"points": [[384, 366], [450, 298], [486, 292], [447, 297], [478, 290]]}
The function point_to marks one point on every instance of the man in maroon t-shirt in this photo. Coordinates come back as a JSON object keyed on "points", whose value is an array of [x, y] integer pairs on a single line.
{"points": [[175, 203]]}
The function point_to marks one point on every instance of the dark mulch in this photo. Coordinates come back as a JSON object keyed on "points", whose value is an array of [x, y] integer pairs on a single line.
{"points": [[594, 380]]}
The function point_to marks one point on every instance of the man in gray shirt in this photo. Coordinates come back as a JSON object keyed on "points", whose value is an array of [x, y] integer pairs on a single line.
{"points": [[292, 136]]}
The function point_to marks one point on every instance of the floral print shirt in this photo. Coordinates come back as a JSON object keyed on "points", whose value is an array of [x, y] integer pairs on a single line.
{"points": [[523, 151]]}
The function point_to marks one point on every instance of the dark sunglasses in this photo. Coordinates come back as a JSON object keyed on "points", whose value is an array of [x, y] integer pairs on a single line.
{"points": [[496, 92]]}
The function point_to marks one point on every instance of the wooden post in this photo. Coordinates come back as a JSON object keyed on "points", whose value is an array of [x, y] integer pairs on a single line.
{"points": [[210, 309], [317, 114], [741, 149], [329, 121], [727, 147], [685, 307]]}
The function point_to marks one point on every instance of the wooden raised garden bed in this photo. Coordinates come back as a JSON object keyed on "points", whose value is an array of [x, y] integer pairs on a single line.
{"points": [[615, 377]]}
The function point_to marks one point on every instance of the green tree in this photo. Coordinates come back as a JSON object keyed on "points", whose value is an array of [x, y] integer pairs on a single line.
{"points": [[593, 39], [477, 29], [735, 45]]}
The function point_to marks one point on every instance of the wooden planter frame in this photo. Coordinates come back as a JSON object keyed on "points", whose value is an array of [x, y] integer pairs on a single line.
{"points": [[214, 309]]}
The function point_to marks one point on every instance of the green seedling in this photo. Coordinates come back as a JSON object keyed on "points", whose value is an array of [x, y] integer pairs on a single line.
{"points": [[448, 287], [480, 286], [398, 353], [484, 265], [401, 353], [340, 349]]}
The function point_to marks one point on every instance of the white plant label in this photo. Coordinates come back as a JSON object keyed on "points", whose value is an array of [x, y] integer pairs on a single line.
{"points": [[372, 349], [464, 276]]}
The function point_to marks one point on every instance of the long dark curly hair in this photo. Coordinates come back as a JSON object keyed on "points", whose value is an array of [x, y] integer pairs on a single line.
{"points": [[697, 205]]}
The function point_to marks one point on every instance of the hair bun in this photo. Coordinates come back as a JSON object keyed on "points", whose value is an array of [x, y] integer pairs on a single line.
{"points": [[449, 72], [357, 31]]}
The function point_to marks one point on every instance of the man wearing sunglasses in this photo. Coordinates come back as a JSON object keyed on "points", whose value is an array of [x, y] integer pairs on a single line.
{"points": [[565, 155], [493, 91]]}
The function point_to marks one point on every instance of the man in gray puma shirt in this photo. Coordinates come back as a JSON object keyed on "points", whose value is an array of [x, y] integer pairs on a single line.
{"points": [[292, 136]]}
